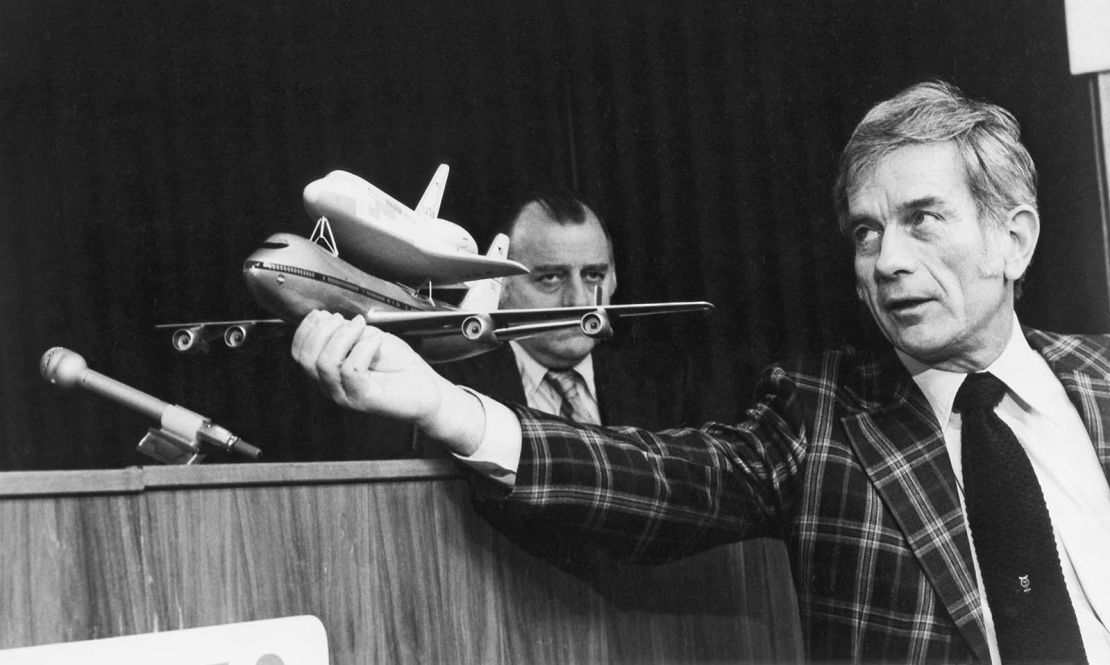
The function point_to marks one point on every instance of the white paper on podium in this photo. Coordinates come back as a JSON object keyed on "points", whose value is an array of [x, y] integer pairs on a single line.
{"points": [[299, 640]]}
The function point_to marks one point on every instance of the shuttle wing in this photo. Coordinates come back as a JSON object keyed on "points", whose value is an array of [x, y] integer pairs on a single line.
{"points": [[405, 259]]}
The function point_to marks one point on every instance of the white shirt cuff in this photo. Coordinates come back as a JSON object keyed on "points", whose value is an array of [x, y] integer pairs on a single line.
{"points": [[498, 455]]}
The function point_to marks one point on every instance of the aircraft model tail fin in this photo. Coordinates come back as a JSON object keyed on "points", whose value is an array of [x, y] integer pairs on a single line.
{"points": [[484, 295], [433, 195]]}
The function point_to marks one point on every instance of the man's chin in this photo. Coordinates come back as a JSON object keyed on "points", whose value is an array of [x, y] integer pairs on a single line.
{"points": [[560, 353], [925, 348]]}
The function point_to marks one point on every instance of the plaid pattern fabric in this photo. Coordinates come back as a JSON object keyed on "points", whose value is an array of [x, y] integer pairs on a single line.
{"points": [[842, 457]]}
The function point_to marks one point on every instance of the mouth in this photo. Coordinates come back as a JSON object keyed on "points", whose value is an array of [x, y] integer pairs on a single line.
{"points": [[900, 306]]}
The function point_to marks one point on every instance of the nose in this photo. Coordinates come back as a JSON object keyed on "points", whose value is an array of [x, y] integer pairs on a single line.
{"points": [[896, 254], [577, 292]]}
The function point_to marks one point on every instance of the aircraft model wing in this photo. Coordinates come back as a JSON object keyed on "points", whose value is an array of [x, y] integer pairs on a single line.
{"points": [[193, 337], [496, 326]]}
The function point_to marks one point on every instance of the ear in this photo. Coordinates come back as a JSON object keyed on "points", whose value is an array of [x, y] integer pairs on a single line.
{"points": [[1023, 226], [613, 280]]}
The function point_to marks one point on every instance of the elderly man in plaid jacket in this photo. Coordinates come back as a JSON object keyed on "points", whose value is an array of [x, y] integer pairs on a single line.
{"points": [[857, 459]]}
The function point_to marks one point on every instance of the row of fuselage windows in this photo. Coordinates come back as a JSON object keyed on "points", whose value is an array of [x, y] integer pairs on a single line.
{"points": [[335, 281]]}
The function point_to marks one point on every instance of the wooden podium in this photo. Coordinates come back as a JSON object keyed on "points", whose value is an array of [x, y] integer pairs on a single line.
{"points": [[389, 555]]}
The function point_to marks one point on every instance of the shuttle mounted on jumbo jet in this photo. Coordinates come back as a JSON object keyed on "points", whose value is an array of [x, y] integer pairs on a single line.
{"points": [[291, 276]]}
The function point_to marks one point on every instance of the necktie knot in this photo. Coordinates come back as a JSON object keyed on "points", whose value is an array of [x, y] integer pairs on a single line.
{"points": [[571, 388], [564, 380], [981, 391]]}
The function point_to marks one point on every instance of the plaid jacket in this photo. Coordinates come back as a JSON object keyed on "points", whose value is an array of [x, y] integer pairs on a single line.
{"points": [[842, 457]]}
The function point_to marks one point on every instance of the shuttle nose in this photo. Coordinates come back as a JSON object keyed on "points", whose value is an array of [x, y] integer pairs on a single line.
{"points": [[313, 192]]}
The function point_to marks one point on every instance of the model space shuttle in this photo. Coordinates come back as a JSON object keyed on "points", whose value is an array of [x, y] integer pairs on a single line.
{"points": [[393, 260]]}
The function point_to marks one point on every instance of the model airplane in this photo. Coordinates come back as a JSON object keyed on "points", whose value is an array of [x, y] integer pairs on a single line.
{"points": [[291, 276]]}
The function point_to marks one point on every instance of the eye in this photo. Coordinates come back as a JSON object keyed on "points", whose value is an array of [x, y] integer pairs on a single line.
{"points": [[866, 238], [594, 275], [548, 281], [920, 217]]}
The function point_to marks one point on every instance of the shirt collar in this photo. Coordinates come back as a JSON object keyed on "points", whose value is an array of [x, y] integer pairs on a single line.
{"points": [[532, 372], [1023, 370]]}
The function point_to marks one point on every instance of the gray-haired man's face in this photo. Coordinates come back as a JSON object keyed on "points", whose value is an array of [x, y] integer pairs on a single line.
{"points": [[931, 274]]}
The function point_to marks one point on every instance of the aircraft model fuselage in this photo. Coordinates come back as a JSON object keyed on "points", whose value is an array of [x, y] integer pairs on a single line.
{"points": [[292, 276]]}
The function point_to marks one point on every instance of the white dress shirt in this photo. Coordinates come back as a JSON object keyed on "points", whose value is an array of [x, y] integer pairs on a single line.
{"points": [[1050, 430], [539, 393]]}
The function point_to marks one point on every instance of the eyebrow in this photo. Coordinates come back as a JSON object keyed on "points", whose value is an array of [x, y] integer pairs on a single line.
{"points": [[915, 204], [922, 202], [551, 267]]}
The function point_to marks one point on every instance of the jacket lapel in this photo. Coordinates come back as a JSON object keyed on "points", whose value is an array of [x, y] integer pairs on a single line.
{"points": [[902, 450], [1083, 370], [1091, 397]]}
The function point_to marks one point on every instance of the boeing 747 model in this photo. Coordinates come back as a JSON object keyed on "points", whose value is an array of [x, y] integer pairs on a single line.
{"points": [[291, 276]]}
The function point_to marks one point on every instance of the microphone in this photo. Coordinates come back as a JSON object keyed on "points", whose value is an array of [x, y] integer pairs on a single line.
{"points": [[66, 369]]}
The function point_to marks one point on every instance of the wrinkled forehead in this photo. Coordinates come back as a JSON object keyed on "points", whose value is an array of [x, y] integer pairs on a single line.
{"points": [[933, 171], [537, 239]]}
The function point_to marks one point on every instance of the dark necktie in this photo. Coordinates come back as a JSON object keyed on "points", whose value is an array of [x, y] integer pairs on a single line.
{"points": [[571, 388], [1033, 615]]}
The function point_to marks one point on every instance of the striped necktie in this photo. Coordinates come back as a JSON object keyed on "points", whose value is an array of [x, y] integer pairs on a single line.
{"points": [[1033, 616], [574, 396]]}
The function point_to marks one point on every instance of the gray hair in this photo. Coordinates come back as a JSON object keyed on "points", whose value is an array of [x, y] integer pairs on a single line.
{"points": [[999, 171]]}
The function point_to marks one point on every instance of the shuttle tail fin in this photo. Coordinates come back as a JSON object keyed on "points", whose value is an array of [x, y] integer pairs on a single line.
{"points": [[484, 295], [433, 195]]}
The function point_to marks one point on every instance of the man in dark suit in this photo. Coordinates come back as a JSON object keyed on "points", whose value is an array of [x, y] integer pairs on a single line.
{"points": [[569, 252], [943, 498]]}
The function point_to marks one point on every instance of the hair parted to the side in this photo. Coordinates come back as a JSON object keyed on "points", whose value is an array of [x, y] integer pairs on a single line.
{"points": [[562, 205], [999, 171]]}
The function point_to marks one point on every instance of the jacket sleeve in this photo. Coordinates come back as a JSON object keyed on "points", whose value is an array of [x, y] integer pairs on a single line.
{"points": [[656, 496]]}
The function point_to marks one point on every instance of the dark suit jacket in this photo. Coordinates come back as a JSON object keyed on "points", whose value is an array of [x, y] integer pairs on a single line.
{"points": [[842, 456]]}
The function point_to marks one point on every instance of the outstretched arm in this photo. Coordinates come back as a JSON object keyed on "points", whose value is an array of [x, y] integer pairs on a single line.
{"points": [[365, 369]]}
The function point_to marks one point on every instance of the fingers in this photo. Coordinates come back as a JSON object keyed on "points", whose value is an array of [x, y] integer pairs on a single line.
{"points": [[310, 338], [363, 356], [343, 357], [334, 354], [321, 345]]}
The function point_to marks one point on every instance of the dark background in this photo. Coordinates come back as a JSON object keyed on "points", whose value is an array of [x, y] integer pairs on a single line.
{"points": [[147, 147]]}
